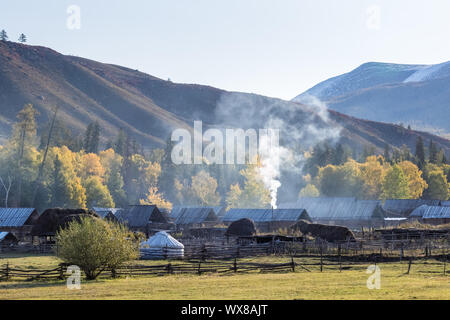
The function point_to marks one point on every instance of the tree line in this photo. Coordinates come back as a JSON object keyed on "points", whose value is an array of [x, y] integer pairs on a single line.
{"points": [[57, 168], [4, 36]]}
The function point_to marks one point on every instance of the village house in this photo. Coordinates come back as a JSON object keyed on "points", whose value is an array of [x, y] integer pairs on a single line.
{"points": [[143, 218], [348, 212], [431, 214], [267, 220], [194, 217], [19, 222]]}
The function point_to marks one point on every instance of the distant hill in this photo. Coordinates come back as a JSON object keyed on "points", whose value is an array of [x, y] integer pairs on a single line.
{"points": [[416, 95], [149, 108]]}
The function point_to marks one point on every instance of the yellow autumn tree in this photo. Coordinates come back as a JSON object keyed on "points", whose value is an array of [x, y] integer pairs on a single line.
{"points": [[62, 179], [309, 191], [90, 165], [416, 183], [254, 194], [155, 198], [372, 173]]}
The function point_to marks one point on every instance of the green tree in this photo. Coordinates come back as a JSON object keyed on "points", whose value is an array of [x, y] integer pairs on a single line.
{"points": [[340, 181], [97, 194], [438, 186], [95, 245], [120, 143], [420, 153], [92, 138], [23, 38], [433, 152], [23, 141], [3, 35], [395, 184], [387, 153], [112, 162]]}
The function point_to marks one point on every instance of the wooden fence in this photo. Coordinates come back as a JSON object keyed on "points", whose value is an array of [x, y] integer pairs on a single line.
{"points": [[322, 263]]}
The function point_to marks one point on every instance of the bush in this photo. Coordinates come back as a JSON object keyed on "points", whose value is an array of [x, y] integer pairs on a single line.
{"points": [[95, 245]]}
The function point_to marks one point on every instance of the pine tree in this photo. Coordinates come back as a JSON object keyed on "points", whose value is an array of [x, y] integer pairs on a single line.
{"points": [[420, 153], [3, 35], [386, 154], [23, 38], [92, 138], [433, 152], [119, 144]]}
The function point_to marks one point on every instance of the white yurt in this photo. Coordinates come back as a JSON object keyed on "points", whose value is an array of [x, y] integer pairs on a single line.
{"points": [[161, 246]]}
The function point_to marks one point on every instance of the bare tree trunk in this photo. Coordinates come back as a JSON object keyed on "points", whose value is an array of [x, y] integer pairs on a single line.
{"points": [[41, 167], [7, 189]]}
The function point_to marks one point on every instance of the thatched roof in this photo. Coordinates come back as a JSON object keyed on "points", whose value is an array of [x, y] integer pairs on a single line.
{"points": [[51, 220], [325, 232], [242, 227]]}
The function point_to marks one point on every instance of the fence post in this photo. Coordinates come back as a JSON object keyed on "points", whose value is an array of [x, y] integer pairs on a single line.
{"points": [[235, 265], [293, 264], [321, 258], [409, 265], [445, 261], [169, 268], [199, 267], [61, 272], [7, 271], [340, 260]]}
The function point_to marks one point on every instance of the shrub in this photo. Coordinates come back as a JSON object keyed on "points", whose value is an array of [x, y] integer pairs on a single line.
{"points": [[95, 245]]}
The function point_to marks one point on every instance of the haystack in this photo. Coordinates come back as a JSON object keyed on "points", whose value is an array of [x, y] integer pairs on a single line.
{"points": [[51, 220], [241, 228], [325, 232]]}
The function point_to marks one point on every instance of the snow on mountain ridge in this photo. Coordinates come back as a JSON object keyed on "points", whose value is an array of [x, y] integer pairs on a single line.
{"points": [[431, 72], [365, 76]]}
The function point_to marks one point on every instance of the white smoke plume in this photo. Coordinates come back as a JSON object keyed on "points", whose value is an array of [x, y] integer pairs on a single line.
{"points": [[300, 125]]}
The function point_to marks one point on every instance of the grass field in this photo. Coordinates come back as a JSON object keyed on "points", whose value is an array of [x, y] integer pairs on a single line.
{"points": [[426, 281]]}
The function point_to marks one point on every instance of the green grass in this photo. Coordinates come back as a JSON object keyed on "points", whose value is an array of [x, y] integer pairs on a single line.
{"points": [[426, 281]]}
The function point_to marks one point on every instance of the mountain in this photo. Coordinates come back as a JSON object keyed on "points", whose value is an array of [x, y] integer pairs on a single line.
{"points": [[416, 95], [149, 108]]}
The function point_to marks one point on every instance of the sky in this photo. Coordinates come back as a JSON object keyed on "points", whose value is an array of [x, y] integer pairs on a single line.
{"points": [[278, 48]]}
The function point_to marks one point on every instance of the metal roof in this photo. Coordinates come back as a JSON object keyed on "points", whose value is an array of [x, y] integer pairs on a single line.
{"points": [[140, 216], [431, 212], [445, 203], [176, 210], [195, 215], [15, 217], [3, 235], [339, 208], [266, 215], [103, 212], [407, 205]]}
